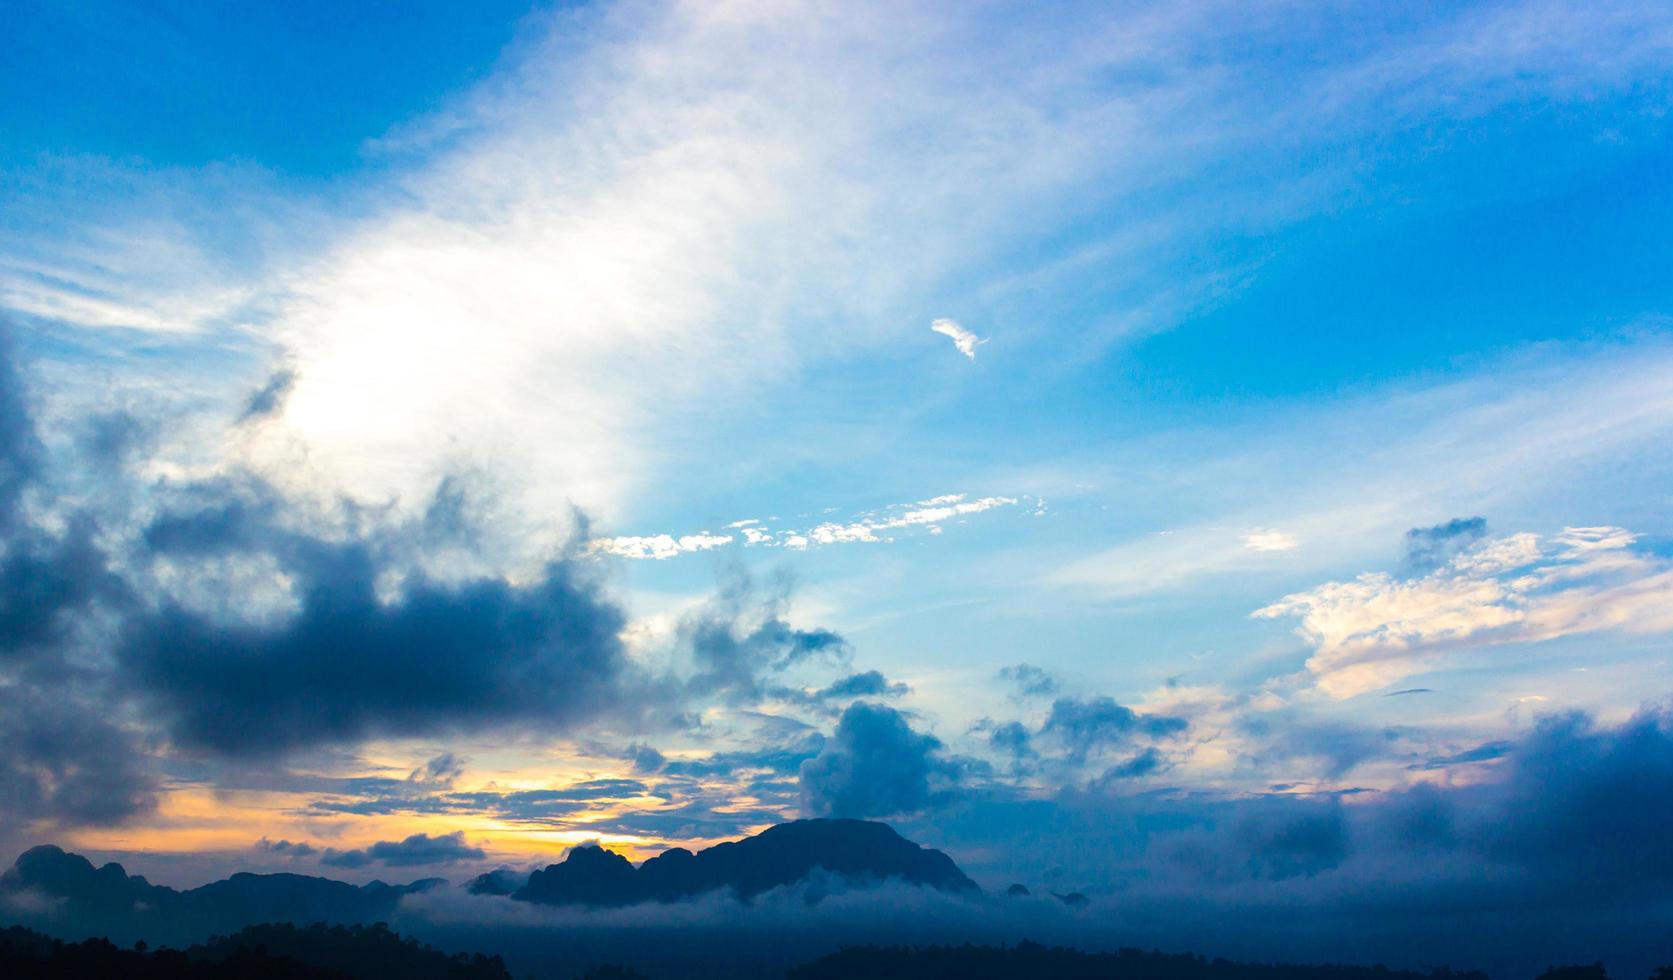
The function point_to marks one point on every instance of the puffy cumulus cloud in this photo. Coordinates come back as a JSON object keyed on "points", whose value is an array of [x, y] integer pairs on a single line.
{"points": [[964, 340], [875, 765], [414, 851], [1427, 547], [1378, 629]]}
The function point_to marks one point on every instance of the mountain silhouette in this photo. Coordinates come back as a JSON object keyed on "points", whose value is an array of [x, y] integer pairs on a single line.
{"points": [[107, 901], [855, 850]]}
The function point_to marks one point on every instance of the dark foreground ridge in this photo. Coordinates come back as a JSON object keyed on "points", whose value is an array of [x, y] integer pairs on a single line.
{"points": [[855, 850], [1034, 960], [320, 952], [317, 952]]}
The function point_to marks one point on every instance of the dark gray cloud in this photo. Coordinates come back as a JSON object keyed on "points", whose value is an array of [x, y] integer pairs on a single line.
{"points": [[285, 848], [66, 755], [875, 765], [63, 759], [415, 851], [1429, 547], [441, 657]]}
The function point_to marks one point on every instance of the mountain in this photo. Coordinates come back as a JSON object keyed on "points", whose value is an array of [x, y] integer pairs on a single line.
{"points": [[856, 850], [66, 895], [107, 901]]}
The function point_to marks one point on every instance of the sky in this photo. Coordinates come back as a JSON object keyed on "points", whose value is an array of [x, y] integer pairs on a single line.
{"points": [[1115, 443]]}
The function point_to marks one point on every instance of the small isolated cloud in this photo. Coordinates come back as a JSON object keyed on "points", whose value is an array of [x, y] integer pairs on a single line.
{"points": [[419, 849], [1378, 629], [285, 848], [1030, 681], [1266, 539], [964, 340]]}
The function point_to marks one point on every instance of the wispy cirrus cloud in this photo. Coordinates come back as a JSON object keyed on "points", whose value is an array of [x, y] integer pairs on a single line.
{"points": [[931, 514], [964, 340]]}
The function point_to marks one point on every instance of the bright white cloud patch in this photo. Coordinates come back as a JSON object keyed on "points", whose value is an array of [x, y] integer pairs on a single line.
{"points": [[1263, 539], [1377, 629], [963, 339], [659, 546], [867, 528]]}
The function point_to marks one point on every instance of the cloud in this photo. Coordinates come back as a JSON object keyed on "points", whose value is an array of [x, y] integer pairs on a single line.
{"points": [[964, 340], [1427, 547], [285, 848], [870, 528], [414, 851], [1265, 539], [62, 759], [269, 399], [439, 771], [1085, 725], [874, 765], [1377, 630], [740, 637], [868, 684], [476, 654], [658, 546], [1030, 681]]}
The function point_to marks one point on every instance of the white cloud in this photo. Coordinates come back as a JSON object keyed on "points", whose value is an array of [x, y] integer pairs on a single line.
{"points": [[963, 339], [1377, 629], [931, 513], [1265, 539], [658, 546]]}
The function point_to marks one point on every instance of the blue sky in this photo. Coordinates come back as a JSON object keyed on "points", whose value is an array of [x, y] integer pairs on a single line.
{"points": [[1265, 305]]}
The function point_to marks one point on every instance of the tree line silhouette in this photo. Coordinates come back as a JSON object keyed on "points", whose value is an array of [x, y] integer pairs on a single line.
{"points": [[375, 952]]}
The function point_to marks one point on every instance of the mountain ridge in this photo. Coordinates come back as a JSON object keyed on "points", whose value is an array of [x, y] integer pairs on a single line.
{"points": [[784, 854]]}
